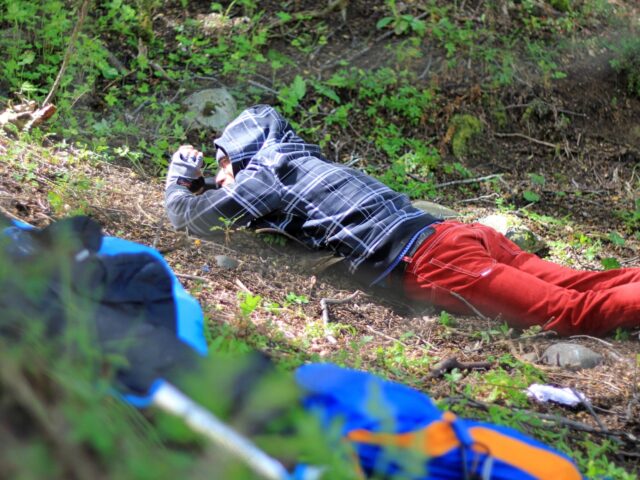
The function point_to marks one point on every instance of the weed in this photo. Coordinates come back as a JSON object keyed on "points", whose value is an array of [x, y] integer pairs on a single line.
{"points": [[446, 319], [248, 303], [627, 62], [294, 299], [507, 382], [401, 23]]}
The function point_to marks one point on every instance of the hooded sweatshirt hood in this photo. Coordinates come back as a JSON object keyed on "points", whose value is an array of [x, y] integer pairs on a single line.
{"points": [[257, 128]]}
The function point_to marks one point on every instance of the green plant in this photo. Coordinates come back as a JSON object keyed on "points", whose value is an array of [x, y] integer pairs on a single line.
{"points": [[291, 95], [293, 298], [627, 62], [248, 303], [446, 319], [507, 382], [401, 23]]}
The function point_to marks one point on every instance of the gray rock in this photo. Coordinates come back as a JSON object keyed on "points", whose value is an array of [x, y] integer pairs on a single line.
{"points": [[435, 209], [530, 357], [571, 356], [227, 263], [212, 108]]}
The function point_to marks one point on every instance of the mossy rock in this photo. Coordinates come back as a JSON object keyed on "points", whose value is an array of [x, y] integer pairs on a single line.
{"points": [[561, 5], [513, 228], [467, 129]]}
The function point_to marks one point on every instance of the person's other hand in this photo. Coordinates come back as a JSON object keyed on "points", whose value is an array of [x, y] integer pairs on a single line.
{"points": [[186, 168]]}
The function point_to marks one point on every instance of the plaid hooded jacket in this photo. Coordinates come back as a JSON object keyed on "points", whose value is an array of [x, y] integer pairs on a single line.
{"points": [[284, 183]]}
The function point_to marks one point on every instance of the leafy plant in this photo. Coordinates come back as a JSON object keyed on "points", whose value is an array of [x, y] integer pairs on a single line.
{"points": [[248, 303], [291, 95], [401, 23], [627, 62]]}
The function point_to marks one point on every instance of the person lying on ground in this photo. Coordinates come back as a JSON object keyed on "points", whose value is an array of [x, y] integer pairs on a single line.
{"points": [[270, 177]]}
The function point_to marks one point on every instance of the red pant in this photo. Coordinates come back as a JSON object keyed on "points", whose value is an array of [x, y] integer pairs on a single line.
{"points": [[495, 276]]}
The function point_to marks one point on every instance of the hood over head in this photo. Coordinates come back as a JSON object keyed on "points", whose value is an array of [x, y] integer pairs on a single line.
{"points": [[256, 128]]}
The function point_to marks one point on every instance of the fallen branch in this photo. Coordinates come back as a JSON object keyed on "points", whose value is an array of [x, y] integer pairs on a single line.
{"points": [[590, 409], [325, 302], [242, 286], [26, 116], [11, 215], [468, 304], [263, 87], [448, 364], [384, 335], [163, 73], [192, 277], [468, 180], [557, 419], [526, 137], [82, 14]]}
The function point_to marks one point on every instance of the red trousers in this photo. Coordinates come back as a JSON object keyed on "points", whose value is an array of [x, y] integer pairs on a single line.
{"points": [[499, 279]]}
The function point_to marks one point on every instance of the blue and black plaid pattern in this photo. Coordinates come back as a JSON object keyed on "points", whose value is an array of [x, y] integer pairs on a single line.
{"points": [[284, 183]]}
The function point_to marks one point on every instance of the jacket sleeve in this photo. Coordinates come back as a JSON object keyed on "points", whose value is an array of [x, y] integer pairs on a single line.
{"points": [[256, 193]]}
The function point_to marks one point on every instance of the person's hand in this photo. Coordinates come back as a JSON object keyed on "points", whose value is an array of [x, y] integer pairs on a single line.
{"points": [[186, 168]]}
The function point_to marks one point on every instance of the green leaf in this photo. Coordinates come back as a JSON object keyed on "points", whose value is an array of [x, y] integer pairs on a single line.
{"points": [[530, 196], [537, 179], [383, 22], [610, 263], [616, 239], [27, 58], [284, 16], [291, 95], [327, 92], [298, 87]]}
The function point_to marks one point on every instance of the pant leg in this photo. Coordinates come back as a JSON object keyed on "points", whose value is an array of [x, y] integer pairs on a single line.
{"points": [[507, 252], [465, 259]]}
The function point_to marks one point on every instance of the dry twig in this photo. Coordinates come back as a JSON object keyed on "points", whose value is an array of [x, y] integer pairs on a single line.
{"points": [[191, 277], [471, 307], [527, 137], [325, 302], [448, 364], [82, 14]]}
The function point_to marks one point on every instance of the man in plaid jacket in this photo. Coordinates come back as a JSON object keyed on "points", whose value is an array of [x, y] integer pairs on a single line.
{"points": [[269, 177]]}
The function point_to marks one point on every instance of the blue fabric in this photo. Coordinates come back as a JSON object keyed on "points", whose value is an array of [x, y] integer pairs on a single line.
{"points": [[358, 400], [190, 322], [189, 318]]}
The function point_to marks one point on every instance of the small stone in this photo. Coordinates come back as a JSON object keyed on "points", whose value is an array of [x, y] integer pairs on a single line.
{"points": [[435, 209], [571, 356], [227, 263]]}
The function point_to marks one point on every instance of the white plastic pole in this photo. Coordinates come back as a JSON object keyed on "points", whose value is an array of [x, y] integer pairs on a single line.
{"points": [[172, 400]]}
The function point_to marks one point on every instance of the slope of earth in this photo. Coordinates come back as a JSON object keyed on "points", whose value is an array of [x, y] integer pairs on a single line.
{"points": [[273, 299]]}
